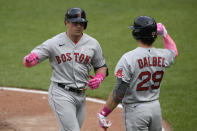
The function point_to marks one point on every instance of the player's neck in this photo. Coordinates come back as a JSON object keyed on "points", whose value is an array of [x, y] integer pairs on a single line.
{"points": [[140, 44], [74, 38]]}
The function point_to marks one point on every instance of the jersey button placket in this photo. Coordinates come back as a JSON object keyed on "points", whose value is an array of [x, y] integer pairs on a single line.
{"points": [[74, 64]]}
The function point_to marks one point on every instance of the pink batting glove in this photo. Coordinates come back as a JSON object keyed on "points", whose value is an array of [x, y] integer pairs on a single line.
{"points": [[161, 30], [31, 57], [103, 122], [96, 81], [31, 60]]}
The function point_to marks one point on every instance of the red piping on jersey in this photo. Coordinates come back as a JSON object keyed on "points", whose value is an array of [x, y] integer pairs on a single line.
{"points": [[75, 42], [78, 40]]}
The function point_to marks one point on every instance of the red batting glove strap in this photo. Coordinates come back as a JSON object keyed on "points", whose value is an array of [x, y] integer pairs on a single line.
{"points": [[105, 111]]}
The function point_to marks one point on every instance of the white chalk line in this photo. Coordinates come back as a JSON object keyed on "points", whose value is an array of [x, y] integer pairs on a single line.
{"points": [[46, 93]]}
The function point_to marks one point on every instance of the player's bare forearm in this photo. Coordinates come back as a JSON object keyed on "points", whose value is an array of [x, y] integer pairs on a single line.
{"points": [[107, 109], [111, 104], [102, 70]]}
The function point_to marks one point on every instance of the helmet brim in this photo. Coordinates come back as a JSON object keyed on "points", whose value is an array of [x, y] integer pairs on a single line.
{"points": [[77, 20]]}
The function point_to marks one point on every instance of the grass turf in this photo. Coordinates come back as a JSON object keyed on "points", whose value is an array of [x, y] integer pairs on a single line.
{"points": [[26, 24]]}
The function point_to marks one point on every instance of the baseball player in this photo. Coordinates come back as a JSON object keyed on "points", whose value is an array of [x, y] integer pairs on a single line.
{"points": [[71, 54], [139, 74]]}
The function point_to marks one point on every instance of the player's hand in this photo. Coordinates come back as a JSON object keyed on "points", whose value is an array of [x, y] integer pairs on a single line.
{"points": [[161, 30], [94, 82], [103, 122], [31, 57]]}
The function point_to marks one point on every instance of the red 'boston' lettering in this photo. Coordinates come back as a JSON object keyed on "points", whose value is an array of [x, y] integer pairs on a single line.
{"points": [[63, 58], [76, 55], [140, 63], [68, 56], [81, 58], [86, 61], [58, 59]]}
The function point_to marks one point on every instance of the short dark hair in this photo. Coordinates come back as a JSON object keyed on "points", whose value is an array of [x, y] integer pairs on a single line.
{"points": [[147, 41]]}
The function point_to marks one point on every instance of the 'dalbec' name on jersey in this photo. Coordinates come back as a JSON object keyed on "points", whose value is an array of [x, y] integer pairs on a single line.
{"points": [[151, 61]]}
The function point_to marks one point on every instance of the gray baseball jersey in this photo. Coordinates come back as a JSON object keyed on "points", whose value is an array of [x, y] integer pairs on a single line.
{"points": [[71, 63], [143, 68]]}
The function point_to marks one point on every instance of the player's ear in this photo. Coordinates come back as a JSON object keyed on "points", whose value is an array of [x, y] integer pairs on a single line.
{"points": [[65, 22]]}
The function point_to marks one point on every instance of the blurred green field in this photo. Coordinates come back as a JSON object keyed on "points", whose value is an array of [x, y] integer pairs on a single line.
{"points": [[26, 24]]}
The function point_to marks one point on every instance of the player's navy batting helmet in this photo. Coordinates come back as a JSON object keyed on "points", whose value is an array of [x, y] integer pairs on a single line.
{"points": [[144, 28], [76, 15]]}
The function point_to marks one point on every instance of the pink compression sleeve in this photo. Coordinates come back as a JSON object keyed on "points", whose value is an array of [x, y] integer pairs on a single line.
{"points": [[30, 60], [170, 44]]}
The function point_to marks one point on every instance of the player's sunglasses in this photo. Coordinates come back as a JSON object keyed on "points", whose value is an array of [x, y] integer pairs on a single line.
{"points": [[78, 23]]}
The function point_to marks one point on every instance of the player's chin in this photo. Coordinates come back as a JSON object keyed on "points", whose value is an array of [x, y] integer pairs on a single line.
{"points": [[78, 32]]}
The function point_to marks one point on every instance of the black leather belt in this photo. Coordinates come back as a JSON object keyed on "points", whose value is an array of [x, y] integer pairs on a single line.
{"points": [[71, 89]]}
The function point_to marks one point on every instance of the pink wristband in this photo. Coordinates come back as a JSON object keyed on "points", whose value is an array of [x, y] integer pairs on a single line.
{"points": [[105, 111]]}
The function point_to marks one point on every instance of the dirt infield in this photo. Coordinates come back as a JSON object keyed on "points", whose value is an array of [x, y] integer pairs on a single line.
{"points": [[22, 111]]}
